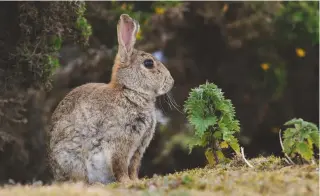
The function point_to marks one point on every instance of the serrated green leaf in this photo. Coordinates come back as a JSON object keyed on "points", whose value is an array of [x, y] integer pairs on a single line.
{"points": [[235, 145], [227, 136], [315, 138], [293, 121], [217, 135], [220, 155], [234, 126], [312, 126], [305, 152], [304, 133], [194, 142], [210, 157], [202, 124], [310, 143], [288, 146], [205, 139], [289, 133]]}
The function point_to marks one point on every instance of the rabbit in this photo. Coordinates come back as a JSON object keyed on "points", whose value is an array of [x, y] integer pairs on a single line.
{"points": [[99, 132]]}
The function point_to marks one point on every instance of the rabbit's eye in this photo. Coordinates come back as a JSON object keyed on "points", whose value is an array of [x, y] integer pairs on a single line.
{"points": [[148, 63]]}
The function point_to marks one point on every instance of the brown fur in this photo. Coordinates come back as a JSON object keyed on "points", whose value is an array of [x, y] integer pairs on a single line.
{"points": [[99, 132]]}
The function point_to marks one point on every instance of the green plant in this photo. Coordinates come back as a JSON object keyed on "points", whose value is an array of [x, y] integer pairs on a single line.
{"points": [[213, 118], [82, 24], [293, 27], [300, 139], [53, 59], [296, 19]]}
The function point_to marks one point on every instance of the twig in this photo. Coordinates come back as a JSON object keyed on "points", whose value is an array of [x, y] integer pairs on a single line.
{"points": [[285, 154], [313, 162], [286, 160], [245, 160]]}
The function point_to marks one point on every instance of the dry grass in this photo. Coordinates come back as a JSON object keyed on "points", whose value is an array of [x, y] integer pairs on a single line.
{"points": [[269, 177]]}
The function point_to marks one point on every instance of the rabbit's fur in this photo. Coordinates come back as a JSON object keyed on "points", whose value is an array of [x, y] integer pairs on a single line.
{"points": [[99, 132]]}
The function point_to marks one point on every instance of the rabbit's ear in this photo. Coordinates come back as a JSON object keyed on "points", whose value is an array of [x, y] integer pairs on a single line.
{"points": [[127, 30]]}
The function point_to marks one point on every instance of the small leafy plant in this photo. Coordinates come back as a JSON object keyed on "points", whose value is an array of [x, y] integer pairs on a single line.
{"points": [[300, 139], [213, 118], [82, 24]]}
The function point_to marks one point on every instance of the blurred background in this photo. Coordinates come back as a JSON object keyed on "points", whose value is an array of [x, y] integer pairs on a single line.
{"points": [[263, 55]]}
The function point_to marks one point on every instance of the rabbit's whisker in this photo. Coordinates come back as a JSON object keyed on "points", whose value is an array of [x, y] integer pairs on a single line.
{"points": [[161, 106], [168, 101], [173, 102]]}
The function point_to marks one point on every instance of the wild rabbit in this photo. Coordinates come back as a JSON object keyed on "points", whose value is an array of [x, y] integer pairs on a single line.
{"points": [[99, 132]]}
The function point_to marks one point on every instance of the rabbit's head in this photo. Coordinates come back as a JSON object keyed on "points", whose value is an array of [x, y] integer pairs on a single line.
{"points": [[135, 69]]}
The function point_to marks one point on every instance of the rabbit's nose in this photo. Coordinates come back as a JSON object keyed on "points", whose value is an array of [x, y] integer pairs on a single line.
{"points": [[170, 80]]}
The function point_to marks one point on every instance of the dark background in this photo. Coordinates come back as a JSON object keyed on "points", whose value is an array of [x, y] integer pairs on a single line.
{"points": [[221, 42]]}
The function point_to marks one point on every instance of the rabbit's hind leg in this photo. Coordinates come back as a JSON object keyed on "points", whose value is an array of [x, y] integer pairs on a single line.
{"points": [[98, 167], [58, 173], [68, 166]]}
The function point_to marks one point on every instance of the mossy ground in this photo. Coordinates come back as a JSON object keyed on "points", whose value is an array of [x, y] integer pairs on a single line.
{"points": [[270, 176]]}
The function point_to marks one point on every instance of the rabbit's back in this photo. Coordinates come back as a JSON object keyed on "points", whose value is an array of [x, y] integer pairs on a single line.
{"points": [[68, 103]]}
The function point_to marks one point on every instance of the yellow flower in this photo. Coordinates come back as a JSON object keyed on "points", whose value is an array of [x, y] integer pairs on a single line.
{"points": [[300, 52], [265, 66], [159, 10], [139, 36], [123, 6], [225, 8]]}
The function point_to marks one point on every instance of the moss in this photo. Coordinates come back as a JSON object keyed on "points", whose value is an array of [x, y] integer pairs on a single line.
{"points": [[259, 163], [271, 178]]}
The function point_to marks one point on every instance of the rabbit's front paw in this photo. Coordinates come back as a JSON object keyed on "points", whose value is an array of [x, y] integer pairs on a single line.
{"points": [[124, 179], [134, 177], [133, 173]]}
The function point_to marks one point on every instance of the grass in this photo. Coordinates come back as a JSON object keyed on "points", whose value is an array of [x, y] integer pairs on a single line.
{"points": [[270, 176]]}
